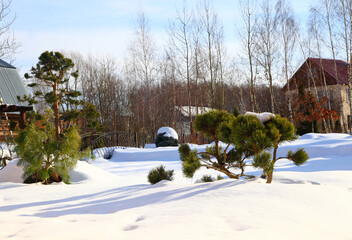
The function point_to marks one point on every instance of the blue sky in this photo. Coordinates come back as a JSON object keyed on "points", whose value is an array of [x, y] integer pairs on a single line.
{"points": [[103, 27]]}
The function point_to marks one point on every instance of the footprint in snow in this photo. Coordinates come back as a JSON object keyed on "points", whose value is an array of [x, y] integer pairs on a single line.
{"points": [[130, 228], [141, 218], [133, 227]]}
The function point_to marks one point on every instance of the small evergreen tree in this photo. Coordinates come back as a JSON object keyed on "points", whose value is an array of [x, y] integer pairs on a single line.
{"points": [[252, 138], [89, 119], [157, 174], [208, 125], [45, 158], [236, 112], [49, 150], [278, 130]]}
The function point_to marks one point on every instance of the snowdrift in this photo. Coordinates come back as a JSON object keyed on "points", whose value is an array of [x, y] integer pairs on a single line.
{"points": [[147, 154], [111, 199]]}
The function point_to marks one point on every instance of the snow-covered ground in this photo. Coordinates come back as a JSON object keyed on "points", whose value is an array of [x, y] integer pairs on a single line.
{"points": [[111, 199]]}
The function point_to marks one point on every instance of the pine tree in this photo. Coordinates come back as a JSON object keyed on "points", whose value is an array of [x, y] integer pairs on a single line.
{"points": [[208, 124], [253, 138], [54, 71], [250, 138], [278, 130], [45, 158]]}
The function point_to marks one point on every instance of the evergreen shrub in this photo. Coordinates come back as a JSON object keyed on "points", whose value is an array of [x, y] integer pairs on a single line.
{"points": [[207, 178], [208, 125], [249, 137], [219, 177], [44, 158], [163, 141], [157, 174]]}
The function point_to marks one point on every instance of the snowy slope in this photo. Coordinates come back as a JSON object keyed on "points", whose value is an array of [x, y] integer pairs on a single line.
{"points": [[112, 199]]}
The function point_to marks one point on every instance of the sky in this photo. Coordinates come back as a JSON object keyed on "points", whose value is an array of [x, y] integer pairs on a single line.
{"points": [[104, 27]]}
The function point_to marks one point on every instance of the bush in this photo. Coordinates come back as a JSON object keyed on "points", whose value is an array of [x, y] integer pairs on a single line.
{"points": [[163, 141], [157, 174], [219, 177], [190, 160], [207, 178], [45, 158]]}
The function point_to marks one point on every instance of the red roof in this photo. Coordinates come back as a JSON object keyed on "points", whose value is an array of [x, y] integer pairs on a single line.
{"points": [[324, 65], [328, 65]]}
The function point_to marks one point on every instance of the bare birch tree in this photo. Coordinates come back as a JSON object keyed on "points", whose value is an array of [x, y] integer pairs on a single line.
{"points": [[180, 37], [345, 17], [8, 42], [246, 34], [212, 36], [144, 63], [287, 28], [314, 26], [328, 4], [267, 45]]}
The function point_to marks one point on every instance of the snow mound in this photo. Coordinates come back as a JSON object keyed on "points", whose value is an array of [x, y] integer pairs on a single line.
{"points": [[162, 183], [5, 153], [11, 173], [320, 145], [146, 154], [325, 136], [169, 132], [150, 145], [83, 172], [263, 117]]}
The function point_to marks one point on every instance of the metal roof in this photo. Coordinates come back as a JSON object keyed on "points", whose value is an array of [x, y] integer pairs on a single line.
{"points": [[325, 65], [5, 64], [11, 85]]}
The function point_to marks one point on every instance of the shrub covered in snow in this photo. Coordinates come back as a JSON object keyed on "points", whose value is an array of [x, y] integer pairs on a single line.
{"points": [[157, 174], [166, 136]]}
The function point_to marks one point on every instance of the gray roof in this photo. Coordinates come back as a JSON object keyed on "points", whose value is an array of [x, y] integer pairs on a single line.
{"points": [[11, 84], [5, 64]]}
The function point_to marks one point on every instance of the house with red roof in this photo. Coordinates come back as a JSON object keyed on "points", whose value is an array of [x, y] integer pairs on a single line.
{"points": [[324, 78]]}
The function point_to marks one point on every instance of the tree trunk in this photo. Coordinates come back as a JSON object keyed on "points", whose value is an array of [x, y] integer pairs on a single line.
{"points": [[269, 177], [228, 173], [54, 176], [56, 113]]}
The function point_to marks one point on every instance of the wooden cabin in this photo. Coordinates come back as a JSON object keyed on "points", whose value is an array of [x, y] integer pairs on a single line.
{"points": [[11, 110], [324, 78]]}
